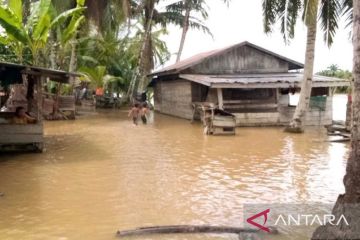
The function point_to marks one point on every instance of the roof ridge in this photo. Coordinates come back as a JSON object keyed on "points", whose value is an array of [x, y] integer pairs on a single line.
{"points": [[200, 57]]}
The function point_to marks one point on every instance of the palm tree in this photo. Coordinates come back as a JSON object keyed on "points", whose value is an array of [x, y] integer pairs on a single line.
{"points": [[99, 78], [110, 14], [188, 19], [348, 204], [146, 64], [189, 7], [151, 18], [287, 13]]}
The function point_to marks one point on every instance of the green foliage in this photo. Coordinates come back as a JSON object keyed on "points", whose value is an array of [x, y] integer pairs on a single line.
{"points": [[287, 11], [34, 33], [175, 14], [334, 71], [329, 18], [47, 32], [99, 78], [94, 75]]}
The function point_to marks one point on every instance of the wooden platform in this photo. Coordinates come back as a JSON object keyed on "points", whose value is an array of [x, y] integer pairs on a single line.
{"points": [[17, 137], [215, 121], [338, 130]]}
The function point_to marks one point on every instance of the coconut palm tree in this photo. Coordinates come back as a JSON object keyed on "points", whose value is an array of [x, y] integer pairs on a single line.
{"points": [[99, 78], [287, 12], [146, 10], [348, 204], [151, 18], [190, 9], [108, 14]]}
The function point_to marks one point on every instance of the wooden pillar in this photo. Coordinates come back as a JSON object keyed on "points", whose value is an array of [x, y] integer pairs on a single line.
{"points": [[220, 98], [57, 99], [39, 97]]}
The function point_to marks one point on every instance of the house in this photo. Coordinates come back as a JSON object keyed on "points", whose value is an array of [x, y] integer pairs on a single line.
{"points": [[244, 79]]}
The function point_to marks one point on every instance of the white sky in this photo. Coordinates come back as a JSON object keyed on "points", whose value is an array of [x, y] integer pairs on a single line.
{"points": [[242, 21]]}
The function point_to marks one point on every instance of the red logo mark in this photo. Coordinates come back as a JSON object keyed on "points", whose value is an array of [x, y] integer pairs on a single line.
{"points": [[262, 227]]}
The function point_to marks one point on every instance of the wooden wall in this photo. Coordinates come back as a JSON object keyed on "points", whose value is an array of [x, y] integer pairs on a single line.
{"points": [[250, 100], [174, 98], [21, 134], [243, 59]]}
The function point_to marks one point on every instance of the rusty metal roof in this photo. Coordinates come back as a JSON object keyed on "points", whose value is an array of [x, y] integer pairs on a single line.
{"points": [[197, 59], [267, 80]]}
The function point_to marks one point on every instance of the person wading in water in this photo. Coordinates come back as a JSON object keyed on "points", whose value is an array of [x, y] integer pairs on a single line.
{"points": [[144, 112], [134, 113]]}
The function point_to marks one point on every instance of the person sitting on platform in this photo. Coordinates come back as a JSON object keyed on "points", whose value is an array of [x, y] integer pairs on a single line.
{"points": [[21, 117]]}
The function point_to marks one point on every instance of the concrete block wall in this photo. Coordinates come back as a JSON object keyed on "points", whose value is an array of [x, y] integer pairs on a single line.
{"points": [[257, 119], [314, 117]]}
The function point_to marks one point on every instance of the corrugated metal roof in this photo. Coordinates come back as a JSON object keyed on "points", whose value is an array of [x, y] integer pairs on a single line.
{"points": [[56, 75], [189, 62], [268, 80]]}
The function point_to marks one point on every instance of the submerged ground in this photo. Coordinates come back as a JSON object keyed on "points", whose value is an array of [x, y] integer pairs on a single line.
{"points": [[100, 174]]}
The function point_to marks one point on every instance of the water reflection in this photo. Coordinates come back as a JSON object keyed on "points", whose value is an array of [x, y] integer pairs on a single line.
{"points": [[100, 174]]}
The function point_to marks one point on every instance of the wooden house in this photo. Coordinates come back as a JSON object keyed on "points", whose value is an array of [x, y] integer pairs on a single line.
{"points": [[29, 82], [246, 80]]}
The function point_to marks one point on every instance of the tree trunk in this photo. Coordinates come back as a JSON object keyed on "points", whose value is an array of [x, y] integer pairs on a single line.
{"points": [[348, 204], [146, 63], [297, 123], [139, 79], [72, 65], [52, 51], [184, 32]]}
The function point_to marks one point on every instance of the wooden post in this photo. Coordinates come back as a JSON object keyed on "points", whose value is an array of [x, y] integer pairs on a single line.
{"points": [[220, 98], [57, 99], [39, 90]]}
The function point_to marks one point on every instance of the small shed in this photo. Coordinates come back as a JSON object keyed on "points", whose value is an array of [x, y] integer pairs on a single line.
{"points": [[27, 82], [246, 80]]}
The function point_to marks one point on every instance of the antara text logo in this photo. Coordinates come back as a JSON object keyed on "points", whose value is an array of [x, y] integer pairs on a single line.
{"points": [[295, 220]]}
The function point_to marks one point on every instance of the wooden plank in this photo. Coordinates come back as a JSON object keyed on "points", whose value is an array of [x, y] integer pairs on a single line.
{"points": [[220, 98], [9, 129], [273, 85], [250, 101], [340, 140], [21, 138], [189, 229], [39, 96], [217, 123], [221, 131], [245, 106]]}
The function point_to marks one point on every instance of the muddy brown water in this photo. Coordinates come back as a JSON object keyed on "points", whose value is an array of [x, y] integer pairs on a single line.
{"points": [[100, 174]]}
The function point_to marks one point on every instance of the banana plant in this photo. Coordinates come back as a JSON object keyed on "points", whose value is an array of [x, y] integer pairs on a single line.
{"points": [[65, 37], [34, 33]]}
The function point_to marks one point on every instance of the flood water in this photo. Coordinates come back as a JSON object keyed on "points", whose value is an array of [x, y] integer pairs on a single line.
{"points": [[100, 174]]}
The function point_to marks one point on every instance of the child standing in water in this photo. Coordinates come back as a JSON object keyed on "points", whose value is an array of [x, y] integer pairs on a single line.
{"points": [[134, 113], [143, 112]]}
